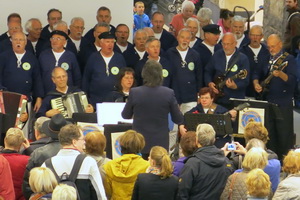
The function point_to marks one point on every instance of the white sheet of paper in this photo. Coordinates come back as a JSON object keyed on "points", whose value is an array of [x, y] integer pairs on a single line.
{"points": [[110, 113]]}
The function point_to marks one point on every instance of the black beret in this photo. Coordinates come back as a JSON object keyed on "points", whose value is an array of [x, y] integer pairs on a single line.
{"points": [[56, 32], [212, 28], [106, 35]]}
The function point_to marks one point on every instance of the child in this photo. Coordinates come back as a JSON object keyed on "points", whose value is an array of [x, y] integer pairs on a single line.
{"points": [[158, 182], [141, 20]]}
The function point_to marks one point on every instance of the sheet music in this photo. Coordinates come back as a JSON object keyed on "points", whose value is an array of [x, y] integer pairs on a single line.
{"points": [[110, 113]]}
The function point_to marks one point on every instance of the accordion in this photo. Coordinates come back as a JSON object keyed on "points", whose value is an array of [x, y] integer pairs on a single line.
{"points": [[12, 105], [70, 103]]}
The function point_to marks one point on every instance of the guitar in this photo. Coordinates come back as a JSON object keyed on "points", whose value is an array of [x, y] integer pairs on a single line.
{"points": [[265, 84], [220, 81]]}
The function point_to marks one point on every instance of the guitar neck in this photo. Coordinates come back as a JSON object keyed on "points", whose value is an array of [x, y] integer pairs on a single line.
{"points": [[222, 84]]}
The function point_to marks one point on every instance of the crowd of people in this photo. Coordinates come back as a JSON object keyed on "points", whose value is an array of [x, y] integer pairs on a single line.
{"points": [[194, 67]]}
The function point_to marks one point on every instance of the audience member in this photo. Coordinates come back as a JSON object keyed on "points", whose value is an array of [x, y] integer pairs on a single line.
{"points": [[88, 182], [204, 174], [95, 143], [125, 81], [51, 128], [204, 17], [122, 172], [13, 142], [179, 20], [236, 183], [6, 183], [141, 20], [258, 185], [64, 192], [158, 182], [41, 138], [289, 188], [42, 182], [188, 144], [225, 21]]}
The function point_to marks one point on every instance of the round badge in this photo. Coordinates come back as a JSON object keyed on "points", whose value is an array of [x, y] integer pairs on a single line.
{"points": [[250, 115], [165, 73], [234, 68], [65, 66], [191, 66], [114, 70], [26, 66]]}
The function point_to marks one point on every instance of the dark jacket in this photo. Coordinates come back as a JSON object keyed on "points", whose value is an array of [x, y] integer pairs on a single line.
{"points": [[151, 186], [204, 175]]}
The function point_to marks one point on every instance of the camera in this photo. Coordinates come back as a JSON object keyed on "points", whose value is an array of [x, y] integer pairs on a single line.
{"points": [[231, 147]]}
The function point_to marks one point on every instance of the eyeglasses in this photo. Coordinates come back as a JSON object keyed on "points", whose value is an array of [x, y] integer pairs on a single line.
{"points": [[122, 32], [57, 38], [79, 27]]}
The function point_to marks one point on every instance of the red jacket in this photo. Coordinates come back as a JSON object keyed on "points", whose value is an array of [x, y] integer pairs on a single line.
{"points": [[17, 164], [6, 183]]}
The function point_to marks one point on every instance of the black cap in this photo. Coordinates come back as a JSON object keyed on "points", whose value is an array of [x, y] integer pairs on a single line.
{"points": [[212, 28], [106, 35], [56, 32], [52, 127]]}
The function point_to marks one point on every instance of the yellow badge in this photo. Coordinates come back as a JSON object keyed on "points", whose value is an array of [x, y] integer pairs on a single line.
{"points": [[26, 66], [191, 66], [114, 70], [65, 66], [234, 68], [165, 73]]}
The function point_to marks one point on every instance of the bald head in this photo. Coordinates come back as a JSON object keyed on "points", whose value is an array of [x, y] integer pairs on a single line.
{"points": [[229, 43], [274, 43]]}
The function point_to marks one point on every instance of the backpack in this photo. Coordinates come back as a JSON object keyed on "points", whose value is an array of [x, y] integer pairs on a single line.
{"points": [[68, 179]]}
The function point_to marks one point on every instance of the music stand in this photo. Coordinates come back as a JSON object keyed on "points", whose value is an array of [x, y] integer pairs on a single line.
{"points": [[221, 123], [85, 117]]}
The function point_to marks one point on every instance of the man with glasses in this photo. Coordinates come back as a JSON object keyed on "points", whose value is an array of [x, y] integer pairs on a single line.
{"points": [[13, 17], [226, 63], [76, 31], [58, 56], [258, 56], [53, 16], [281, 92], [122, 34]]}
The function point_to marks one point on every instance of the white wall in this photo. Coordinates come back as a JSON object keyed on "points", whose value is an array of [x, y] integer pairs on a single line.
{"points": [[121, 10]]}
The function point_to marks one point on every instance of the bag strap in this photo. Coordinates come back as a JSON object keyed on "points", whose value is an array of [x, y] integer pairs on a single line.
{"points": [[232, 61], [232, 184], [49, 165], [76, 167]]}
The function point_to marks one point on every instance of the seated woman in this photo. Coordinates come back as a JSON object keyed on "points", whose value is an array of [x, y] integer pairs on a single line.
{"points": [[236, 183], [158, 182], [289, 188], [125, 81], [42, 182], [258, 185], [206, 104], [122, 172], [95, 143]]}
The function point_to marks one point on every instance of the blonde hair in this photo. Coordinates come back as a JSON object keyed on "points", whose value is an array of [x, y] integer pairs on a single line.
{"points": [[139, 3], [131, 142], [14, 137], [162, 160], [256, 157], [291, 162], [256, 130], [258, 183], [95, 143], [42, 180], [206, 134], [64, 192]]}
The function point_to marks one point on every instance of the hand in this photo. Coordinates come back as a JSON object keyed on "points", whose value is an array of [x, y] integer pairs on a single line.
{"points": [[233, 114], [240, 149], [89, 109], [38, 104], [52, 112], [276, 73], [26, 143], [231, 84], [182, 130], [258, 88], [23, 117], [212, 85], [225, 149]]}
